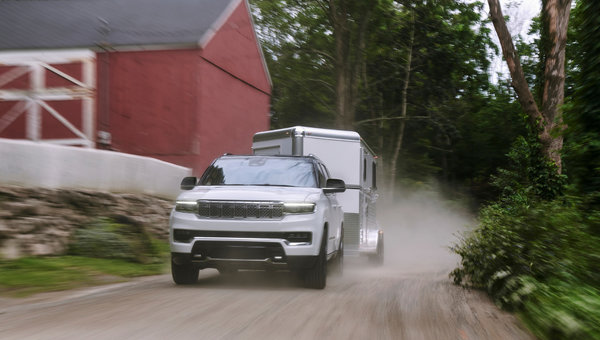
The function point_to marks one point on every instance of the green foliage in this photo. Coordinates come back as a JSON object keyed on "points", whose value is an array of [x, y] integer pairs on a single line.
{"points": [[529, 175], [536, 250], [487, 131], [111, 240], [563, 310], [32, 275], [448, 86], [298, 45], [542, 240], [528, 255], [451, 105], [582, 139]]}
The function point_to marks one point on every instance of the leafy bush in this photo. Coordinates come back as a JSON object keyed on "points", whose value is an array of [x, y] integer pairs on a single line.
{"points": [[542, 240], [541, 259], [536, 250], [117, 238], [529, 175], [563, 310]]}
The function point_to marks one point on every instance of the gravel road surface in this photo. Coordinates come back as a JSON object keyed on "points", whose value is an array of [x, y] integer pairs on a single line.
{"points": [[410, 297]]}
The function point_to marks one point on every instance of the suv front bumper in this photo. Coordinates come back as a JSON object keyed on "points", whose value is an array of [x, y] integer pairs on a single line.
{"points": [[288, 243]]}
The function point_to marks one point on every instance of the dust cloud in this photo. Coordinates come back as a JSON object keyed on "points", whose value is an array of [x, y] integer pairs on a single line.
{"points": [[419, 228]]}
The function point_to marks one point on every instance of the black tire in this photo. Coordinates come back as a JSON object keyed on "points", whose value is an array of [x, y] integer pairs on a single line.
{"points": [[316, 277], [184, 274]]}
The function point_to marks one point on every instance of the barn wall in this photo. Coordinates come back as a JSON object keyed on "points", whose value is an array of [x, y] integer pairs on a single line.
{"points": [[150, 105], [234, 93], [235, 49], [231, 112], [177, 106]]}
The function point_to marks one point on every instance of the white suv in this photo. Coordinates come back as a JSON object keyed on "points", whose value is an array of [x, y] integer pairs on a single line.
{"points": [[258, 212]]}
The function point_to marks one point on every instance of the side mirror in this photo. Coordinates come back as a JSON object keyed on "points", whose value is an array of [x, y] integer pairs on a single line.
{"points": [[188, 183], [334, 185]]}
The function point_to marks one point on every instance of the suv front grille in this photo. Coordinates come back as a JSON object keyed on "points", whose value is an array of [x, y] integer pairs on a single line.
{"points": [[240, 209]]}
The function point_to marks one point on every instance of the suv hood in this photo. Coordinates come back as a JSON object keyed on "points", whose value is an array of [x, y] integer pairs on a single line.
{"points": [[250, 193]]}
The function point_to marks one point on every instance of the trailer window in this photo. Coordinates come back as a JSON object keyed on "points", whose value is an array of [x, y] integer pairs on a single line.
{"points": [[374, 169], [364, 170]]}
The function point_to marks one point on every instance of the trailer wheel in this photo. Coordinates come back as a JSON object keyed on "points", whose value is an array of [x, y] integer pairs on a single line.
{"points": [[316, 277], [377, 258], [184, 274]]}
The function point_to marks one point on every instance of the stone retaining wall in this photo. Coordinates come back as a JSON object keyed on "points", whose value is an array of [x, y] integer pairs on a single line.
{"points": [[37, 221]]}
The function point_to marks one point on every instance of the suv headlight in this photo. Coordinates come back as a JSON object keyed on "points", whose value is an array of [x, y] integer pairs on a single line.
{"points": [[298, 208], [186, 206]]}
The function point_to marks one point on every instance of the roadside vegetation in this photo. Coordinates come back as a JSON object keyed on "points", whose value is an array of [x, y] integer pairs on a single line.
{"points": [[536, 249], [413, 78], [105, 251]]}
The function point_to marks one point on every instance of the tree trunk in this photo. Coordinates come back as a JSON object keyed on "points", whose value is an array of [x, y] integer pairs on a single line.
{"points": [[557, 21], [350, 41], [400, 136], [549, 120]]}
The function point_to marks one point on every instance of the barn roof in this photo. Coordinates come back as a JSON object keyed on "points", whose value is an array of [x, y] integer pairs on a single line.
{"points": [[45, 24]]}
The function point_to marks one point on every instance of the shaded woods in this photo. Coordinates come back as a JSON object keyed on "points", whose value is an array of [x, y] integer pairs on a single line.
{"points": [[413, 78]]}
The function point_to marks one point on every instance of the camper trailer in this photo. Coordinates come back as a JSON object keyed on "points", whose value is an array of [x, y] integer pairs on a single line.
{"points": [[348, 158]]}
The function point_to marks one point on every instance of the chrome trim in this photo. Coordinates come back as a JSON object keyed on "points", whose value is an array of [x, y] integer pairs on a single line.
{"points": [[244, 262], [302, 131], [257, 210], [246, 239], [238, 201], [297, 144]]}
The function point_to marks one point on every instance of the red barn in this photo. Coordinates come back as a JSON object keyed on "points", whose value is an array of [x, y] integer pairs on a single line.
{"points": [[180, 80]]}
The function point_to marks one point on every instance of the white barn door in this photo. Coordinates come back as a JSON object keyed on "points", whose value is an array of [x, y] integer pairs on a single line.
{"points": [[39, 97]]}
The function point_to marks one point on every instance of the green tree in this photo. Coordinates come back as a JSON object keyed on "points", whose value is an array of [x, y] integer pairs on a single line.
{"points": [[298, 47], [316, 52], [427, 71], [547, 117], [583, 133], [418, 88]]}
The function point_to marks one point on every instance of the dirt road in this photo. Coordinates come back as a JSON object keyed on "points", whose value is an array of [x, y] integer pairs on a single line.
{"points": [[410, 297]]}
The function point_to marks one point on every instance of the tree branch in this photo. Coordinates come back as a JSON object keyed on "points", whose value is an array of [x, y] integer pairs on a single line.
{"points": [[519, 82], [370, 120]]}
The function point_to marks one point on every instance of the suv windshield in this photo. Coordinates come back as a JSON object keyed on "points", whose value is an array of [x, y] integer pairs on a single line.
{"points": [[275, 171]]}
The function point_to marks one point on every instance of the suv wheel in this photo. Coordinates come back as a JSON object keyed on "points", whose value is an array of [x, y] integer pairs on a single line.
{"points": [[316, 277], [184, 274]]}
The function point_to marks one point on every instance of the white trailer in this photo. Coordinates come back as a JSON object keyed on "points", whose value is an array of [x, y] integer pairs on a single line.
{"points": [[347, 157]]}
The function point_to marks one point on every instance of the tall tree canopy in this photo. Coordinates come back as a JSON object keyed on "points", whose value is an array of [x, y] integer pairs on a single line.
{"points": [[408, 75]]}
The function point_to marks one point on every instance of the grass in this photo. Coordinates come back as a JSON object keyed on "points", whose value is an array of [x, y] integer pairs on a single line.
{"points": [[26, 276], [103, 252]]}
